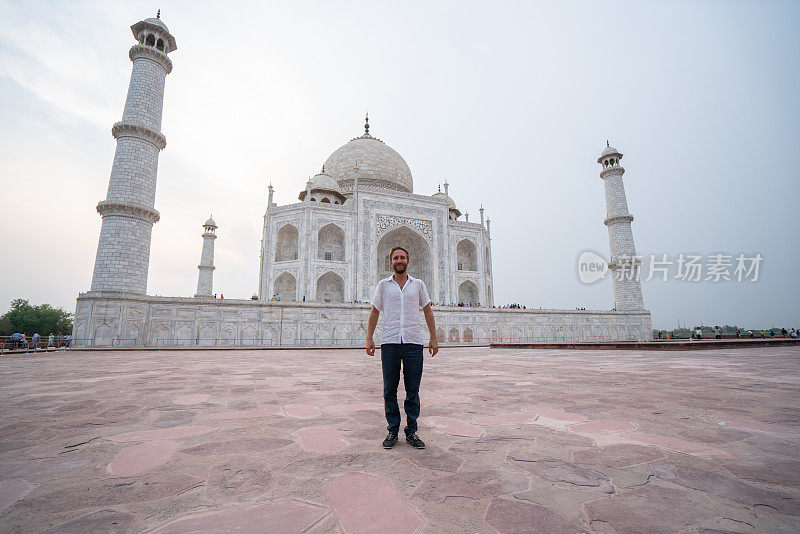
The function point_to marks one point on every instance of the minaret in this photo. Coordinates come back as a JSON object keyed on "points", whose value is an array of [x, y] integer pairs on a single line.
{"points": [[123, 251], [205, 278], [624, 265]]}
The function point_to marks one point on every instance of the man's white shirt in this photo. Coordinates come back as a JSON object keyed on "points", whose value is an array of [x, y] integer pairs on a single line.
{"points": [[400, 308]]}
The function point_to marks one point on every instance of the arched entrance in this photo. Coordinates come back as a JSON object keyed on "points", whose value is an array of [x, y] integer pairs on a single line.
{"points": [[286, 287], [420, 264], [330, 288], [468, 293], [286, 246], [330, 243], [467, 256]]}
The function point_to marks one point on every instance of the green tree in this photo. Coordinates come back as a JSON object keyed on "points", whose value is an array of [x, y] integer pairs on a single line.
{"points": [[44, 319]]}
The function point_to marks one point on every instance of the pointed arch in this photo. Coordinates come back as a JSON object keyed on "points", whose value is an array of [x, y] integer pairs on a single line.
{"points": [[207, 336], [286, 246], [467, 335], [270, 335], [286, 286], [330, 243], [102, 336], [468, 293], [184, 336], [131, 336], [453, 337], [162, 335], [330, 288], [227, 335], [421, 262], [249, 335], [467, 255]]}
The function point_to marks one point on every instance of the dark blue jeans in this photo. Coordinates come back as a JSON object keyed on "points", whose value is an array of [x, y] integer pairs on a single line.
{"points": [[392, 354]]}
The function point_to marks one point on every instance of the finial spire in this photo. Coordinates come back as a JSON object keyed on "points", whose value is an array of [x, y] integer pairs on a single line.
{"points": [[366, 124], [158, 15], [440, 188], [607, 143]]}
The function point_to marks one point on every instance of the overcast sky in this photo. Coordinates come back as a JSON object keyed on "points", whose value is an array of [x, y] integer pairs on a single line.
{"points": [[511, 102]]}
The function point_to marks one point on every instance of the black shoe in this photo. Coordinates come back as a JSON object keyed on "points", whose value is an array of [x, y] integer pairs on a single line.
{"points": [[390, 441], [415, 442]]}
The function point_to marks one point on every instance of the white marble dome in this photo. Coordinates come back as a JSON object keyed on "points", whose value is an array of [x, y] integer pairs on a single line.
{"points": [[324, 182], [451, 204], [609, 150], [158, 22], [378, 164]]}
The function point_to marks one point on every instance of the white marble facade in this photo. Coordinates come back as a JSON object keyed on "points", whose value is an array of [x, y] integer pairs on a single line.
{"points": [[333, 245], [323, 254], [131, 320]]}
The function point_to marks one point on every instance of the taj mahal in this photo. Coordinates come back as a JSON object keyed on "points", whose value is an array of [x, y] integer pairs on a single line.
{"points": [[322, 256], [333, 246]]}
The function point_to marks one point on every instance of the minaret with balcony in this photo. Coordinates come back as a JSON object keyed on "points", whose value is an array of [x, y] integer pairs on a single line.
{"points": [[128, 212], [624, 264], [205, 277]]}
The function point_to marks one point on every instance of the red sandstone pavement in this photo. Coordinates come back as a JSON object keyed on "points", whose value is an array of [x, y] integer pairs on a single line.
{"points": [[289, 441]]}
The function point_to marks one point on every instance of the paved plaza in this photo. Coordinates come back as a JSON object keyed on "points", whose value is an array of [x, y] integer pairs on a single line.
{"points": [[289, 441]]}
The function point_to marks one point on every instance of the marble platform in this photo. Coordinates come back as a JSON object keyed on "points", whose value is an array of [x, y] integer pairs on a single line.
{"points": [[519, 440]]}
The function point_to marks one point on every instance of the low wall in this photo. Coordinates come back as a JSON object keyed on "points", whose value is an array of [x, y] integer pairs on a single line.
{"points": [[105, 319]]}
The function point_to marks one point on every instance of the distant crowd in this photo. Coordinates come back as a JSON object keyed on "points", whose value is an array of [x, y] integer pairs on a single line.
{"points": [[18, 340], [738, 333]]}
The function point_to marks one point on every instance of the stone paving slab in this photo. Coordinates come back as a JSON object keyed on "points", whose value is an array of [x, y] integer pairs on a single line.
{"points": [[519, 440]]}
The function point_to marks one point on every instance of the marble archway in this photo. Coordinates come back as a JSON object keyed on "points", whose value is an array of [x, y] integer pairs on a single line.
{"points": [[420, 264]]}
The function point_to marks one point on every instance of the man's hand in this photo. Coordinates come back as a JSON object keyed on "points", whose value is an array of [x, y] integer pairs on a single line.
{"points": [[371, 347], [433, 347]]}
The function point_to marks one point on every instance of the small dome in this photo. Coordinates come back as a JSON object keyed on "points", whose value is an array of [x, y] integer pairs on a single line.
{"points": [[609, 151], [158, 22], [155, 25], [451, 204], [210, 222], [324, 181]]}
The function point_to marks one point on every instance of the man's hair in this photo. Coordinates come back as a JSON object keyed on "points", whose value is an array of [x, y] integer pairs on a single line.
{"points": [[391, 252]]}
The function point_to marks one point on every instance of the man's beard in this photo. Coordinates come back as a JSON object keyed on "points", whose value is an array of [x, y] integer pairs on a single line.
{"points": [[399, 268]]}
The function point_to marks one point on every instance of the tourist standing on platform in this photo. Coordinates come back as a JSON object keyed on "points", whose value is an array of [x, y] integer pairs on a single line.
{"points": [[401, 297]]}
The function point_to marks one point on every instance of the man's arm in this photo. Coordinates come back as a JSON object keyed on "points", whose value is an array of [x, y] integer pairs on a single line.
{"points": [[372, 322], [433, 346]]}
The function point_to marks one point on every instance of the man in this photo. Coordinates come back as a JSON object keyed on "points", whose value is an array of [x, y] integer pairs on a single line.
{"points": [[401, 296]]}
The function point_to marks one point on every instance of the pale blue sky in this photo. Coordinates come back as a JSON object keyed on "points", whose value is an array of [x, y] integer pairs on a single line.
{"points": [[511, 102]]}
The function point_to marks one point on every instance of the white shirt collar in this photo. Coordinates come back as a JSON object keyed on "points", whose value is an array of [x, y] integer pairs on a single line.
{"points": [[390, 278]]}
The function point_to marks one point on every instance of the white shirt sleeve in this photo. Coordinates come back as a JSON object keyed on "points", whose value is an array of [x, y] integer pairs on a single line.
{"points": [[377, 298], [424, 299]]}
